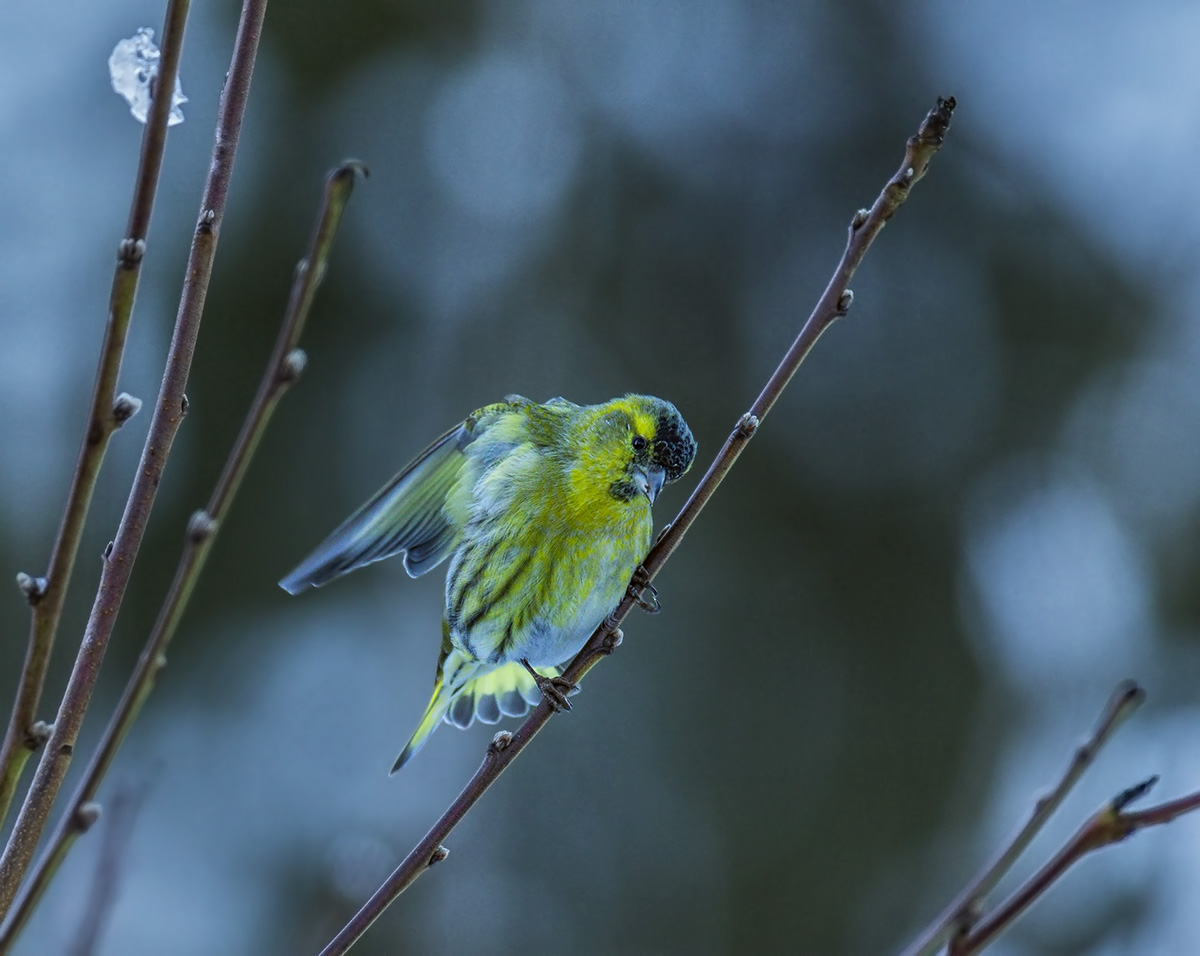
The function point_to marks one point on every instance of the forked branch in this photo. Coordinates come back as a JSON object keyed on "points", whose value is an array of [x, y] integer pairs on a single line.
{"points": [[964, 928], [1110, 824], [964, 908]]}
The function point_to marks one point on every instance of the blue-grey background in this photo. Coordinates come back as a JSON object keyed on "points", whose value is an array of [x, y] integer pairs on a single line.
{"points": [[975, 510]]}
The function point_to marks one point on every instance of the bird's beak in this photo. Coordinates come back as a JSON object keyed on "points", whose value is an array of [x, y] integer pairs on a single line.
{"points": [[649, 480]]}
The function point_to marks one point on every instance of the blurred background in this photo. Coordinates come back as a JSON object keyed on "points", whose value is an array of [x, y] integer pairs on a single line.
{"points": [[973, 513]]}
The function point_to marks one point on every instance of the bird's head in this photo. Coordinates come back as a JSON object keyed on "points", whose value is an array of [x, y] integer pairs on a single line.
{"points": [[636, 444]]}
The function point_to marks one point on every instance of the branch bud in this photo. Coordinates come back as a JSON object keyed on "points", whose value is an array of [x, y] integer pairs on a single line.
{"points": [[38, 734], [201, 526], [1134, 793], [292, 366], [747, 425], [33, 588], [130, 252], [500, 742], [125, 407], [86, 816]]}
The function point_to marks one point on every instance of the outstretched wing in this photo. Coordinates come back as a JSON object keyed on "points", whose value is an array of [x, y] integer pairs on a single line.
{"points": [[406, 515]]}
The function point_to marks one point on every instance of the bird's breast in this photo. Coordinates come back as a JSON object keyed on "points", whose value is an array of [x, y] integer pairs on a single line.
{"points": [[537, 590]]}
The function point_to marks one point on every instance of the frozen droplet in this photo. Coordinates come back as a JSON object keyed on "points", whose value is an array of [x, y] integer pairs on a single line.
{"points": [[133, 66]]}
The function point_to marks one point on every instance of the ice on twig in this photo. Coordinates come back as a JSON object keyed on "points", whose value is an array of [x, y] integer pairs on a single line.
{"points": [[133, 67]]}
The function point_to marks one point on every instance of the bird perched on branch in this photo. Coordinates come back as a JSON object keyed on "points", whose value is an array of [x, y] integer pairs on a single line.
{"points": [[544, 513]]}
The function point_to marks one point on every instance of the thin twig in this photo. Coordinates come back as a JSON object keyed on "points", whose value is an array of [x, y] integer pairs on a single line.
{"points": [[105, 416], [1111, 824], [119, 820], [834, 303], [283, 368], [168, 415], [962, 912]]}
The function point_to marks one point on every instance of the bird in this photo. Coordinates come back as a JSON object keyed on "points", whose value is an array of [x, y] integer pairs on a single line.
{"points": [[544, 513]]}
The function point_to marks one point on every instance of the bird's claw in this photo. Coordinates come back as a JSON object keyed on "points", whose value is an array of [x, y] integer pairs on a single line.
{"points": [[638, 586], [557, 690], [554, 689]]}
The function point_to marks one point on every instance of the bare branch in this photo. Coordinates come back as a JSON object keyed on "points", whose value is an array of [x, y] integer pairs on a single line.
{"points": [[168, 415], [964, 909], [202, 528], [118, 830], [103, 419], [836, 299], [1110, 824]]}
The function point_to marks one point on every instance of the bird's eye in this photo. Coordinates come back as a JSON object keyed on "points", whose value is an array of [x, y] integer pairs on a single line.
{"points": [[639, 442]]}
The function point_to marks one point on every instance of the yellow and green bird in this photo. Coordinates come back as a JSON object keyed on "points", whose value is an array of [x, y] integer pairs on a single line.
{"points": [[544, 513]]}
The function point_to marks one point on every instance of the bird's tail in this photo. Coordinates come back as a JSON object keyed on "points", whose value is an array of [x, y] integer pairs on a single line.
{"points": [[465, 689], [453, 673]]}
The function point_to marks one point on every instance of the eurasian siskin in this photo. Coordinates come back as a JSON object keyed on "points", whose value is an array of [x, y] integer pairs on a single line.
{"points": [[544, 513]]}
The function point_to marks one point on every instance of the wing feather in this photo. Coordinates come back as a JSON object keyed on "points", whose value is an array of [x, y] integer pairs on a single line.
{"points": [[407, 515]]}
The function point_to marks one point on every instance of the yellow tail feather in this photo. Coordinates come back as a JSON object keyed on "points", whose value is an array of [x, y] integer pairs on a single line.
{"points": [[438, 705], [507, 690]]}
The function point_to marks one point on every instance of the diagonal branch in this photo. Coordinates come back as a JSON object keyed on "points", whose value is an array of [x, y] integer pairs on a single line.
{"points": [[283, 368], [833, 304], [1109, 825], [110, 866], [964, 908], [107, 414], [168, 415]]}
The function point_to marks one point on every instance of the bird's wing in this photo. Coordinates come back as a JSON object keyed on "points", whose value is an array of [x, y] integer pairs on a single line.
{"points": [[406, 515]]}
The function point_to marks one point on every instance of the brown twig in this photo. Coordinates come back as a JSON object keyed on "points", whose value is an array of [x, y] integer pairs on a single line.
{"points": [[1109, 825], [168, 415], [834, 303], [107, 413], [118, 830], [283, 369], [963, 911]]}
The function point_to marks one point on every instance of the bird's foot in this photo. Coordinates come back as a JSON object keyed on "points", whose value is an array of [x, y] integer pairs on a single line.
{"points": [[555, 689], [639, 584], [612, 640]]}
